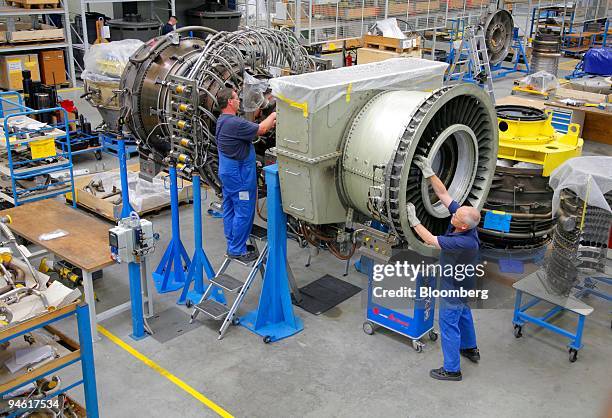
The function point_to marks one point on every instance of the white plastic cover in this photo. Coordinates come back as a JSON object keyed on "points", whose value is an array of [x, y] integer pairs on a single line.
{"points": [[390, 29], [541, 81], [314, 91], [253, 91], [585, 176], [105, 62], [143, 194]]}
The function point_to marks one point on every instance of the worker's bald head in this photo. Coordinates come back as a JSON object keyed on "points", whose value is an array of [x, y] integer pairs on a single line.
{"points": [[466, 218]]}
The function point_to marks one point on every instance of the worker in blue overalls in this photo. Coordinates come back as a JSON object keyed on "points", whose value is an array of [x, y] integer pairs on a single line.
{"points": [[460, 244], [238, 172]]}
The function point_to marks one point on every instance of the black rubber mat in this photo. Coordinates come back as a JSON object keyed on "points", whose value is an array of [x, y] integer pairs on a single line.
{"points": [[171, 323], [325, 293]]}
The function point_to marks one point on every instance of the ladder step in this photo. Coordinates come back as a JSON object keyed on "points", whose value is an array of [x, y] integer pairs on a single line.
{"points": [[227, 282], [212, 308], [249, 264], [259, 233]]}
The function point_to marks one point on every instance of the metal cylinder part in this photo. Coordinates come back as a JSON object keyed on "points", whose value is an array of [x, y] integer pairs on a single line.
{"points": [[497, 28], [454, 127], [545, 53]]}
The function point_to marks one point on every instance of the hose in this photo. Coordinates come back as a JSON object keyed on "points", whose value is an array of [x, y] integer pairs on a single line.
{"points": [[9, 235]]}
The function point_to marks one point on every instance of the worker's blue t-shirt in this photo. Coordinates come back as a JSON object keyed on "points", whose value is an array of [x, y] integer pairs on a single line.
{"points": [[235, 136], [458, 249], [467, 240]]}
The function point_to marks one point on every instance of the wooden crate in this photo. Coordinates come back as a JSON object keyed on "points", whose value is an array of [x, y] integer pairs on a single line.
{"points": [[391, 44], [111, 211], [367, 55], [34, 4], [24, 33], [400, 9]]}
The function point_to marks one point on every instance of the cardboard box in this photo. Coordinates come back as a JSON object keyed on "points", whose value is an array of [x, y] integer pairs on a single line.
{"points": [[366, 55], [11, 67], [24, 33], [52, 67]]}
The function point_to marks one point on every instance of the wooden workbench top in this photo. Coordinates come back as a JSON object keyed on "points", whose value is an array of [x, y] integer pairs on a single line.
{"points": [[85, 246]]}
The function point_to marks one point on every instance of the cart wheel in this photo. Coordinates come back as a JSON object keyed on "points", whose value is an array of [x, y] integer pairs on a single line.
{"points": [[433, 335], [235, 320], [418, 346], [98, 155], [188, 304], [267, 339], [518, 331], [368, 328], [573, 355]]}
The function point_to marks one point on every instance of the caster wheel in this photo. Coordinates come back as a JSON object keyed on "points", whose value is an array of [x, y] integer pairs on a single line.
{"points": [[433, 335], [417, 345], [518, 331], [368, 328], [188, 304], [235, 321], [267, 339], [573, 355], [98, 155]]}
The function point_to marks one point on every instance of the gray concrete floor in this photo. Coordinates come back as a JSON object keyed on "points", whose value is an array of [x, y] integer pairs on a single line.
{"points": [[332, 368]]}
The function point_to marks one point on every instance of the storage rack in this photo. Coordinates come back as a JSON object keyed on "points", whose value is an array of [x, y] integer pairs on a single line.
{"points": [[83, 352], [29, 168], [14, 12]]}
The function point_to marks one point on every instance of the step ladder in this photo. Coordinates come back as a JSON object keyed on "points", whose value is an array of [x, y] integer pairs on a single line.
{"points": [[230, 284], [471, 61]]}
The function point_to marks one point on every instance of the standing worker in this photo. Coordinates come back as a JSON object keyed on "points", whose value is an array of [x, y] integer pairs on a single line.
{"points": [[170, 25], [461, 240], [238, 172]]}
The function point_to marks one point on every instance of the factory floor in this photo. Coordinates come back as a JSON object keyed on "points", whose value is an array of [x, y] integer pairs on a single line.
{"points": [[332, 368]]}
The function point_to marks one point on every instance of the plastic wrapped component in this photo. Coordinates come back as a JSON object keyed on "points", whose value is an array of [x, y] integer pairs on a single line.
{"points": [[253, 93], [311, 92], [107, 61], [589, 177], [143, 194], [390, 29], [540, 81]]}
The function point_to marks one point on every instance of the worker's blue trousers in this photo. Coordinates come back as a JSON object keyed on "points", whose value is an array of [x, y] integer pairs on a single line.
{"points": [[239, 187], [456, 332]]}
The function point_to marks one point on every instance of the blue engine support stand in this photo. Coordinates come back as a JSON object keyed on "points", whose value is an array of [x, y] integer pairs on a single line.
{"points": [[199, 261], [274, 318], [170, 273]]}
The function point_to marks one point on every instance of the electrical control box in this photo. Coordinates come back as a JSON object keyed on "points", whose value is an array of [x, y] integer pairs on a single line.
{"points": [[131, 239]]}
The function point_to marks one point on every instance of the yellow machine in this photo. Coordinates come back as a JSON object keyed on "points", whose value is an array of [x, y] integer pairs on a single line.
{"points": [[526, 134]]}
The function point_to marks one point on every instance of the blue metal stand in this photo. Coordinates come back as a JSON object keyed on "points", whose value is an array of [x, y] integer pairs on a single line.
{"points": [[170, 273], [274, 318], [199, 261], [520, 57], [138, 331]]}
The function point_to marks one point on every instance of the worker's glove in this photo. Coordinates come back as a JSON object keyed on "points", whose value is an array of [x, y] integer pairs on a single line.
{"points": [[412, 218], [424, 166]]}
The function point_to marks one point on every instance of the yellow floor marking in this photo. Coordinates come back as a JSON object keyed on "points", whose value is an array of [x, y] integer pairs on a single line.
{"points": [[165, 373]]}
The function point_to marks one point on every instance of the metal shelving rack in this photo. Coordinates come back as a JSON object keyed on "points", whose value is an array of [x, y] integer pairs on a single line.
{"points": [[83, 353], [28, 169], [337, 21], [83, 9], [12, 12]]}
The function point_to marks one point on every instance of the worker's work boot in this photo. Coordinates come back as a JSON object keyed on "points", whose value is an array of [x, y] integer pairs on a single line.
{"points": [[245, 258], [441, 374], [471, 354]]}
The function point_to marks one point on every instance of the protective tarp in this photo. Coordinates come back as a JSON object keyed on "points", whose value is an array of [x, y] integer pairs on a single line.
{"points": [[587, 177], [390, 29], [143, 194], [541, 81], [313, 91], [105, 62], [253, 93], [598, 61]]}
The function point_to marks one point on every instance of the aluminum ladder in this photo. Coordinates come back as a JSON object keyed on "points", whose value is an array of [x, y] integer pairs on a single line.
{"points": [[218, 311], [476, 66]]}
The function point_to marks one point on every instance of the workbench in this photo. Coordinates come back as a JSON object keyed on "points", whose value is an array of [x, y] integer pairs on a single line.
{"points": [[86, 245]]}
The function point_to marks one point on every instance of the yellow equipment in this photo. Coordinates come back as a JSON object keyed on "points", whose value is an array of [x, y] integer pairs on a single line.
{"points": [[526, 134]]}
